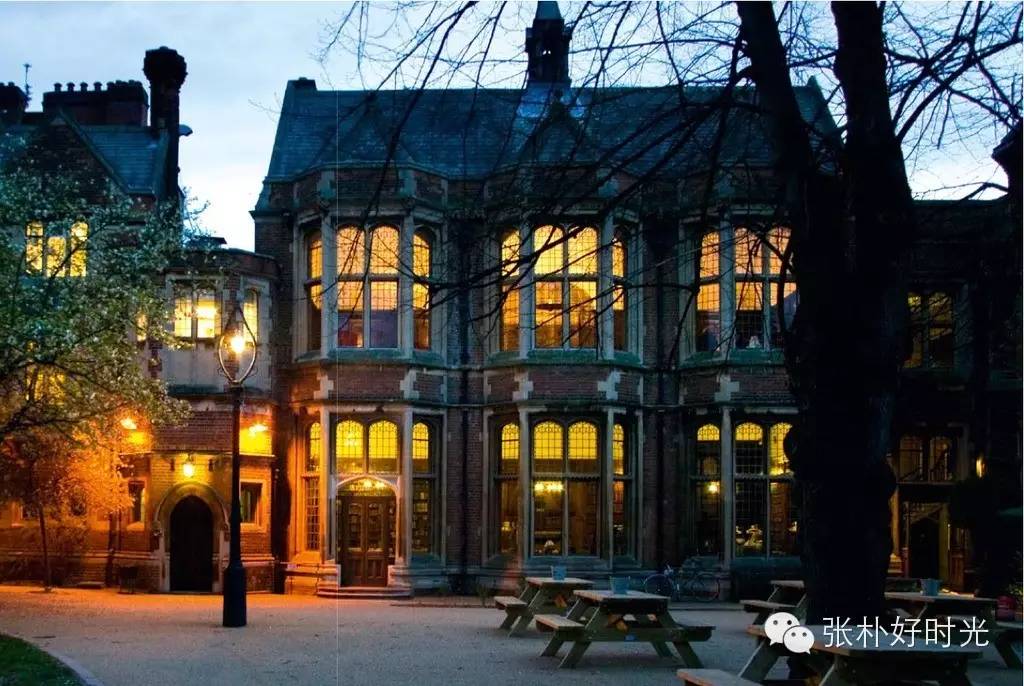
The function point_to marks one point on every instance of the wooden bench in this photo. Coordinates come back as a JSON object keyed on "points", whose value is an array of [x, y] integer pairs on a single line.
{"points": [[1005, 635], [711, 677], [765, 608], [564, 630], [509, 603]]}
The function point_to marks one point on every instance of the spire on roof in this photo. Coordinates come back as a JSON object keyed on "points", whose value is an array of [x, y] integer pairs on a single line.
{"points": [[547, 46]]}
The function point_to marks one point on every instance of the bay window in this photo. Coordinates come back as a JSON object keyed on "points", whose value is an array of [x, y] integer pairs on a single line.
{"points": [[566, 287]]}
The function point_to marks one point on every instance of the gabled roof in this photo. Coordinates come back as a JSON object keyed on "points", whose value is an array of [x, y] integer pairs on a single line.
{"points": [[133, 155], [473, 133]]}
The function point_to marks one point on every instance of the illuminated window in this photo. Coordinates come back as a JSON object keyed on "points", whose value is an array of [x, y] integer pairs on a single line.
{"points": [[313, 288], [251, 311], [766, 507], [708, 319], [383, 447], [618, 450], [348, 447], [424, 489], [566, 284], [53, 252], [368, 283], [506, 490], [195, 312], [620, 294], [421, 264], [622, 491], [931, 330], [508, 335], [759, 268], [706, 487], [566, 499], [136, 512], [313, 448], [929, 458], [311, 486]]}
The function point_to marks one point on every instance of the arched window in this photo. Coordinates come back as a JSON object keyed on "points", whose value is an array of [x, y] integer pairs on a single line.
{"points": [[622, 491], [778, 461], [348, 447], [421, 268], [708, 319], [749, 449], [766, 510], [566, 284], [311, 486], [368, 282], [706, 487], [509, 304], [313, 287], [506, 490], [620, 293], [566, 489], [383, 447], [424, 488]]}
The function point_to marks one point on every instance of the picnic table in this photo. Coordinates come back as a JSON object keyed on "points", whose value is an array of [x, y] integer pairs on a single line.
{"points": [[604, 616], [865, 663], [541, 595]]}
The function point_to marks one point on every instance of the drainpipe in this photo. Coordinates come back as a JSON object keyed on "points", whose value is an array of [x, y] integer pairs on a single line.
{"points": [[659, 296]]}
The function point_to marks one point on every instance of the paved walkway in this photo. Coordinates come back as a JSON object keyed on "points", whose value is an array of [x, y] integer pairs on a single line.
{"points": [[177, 639]]}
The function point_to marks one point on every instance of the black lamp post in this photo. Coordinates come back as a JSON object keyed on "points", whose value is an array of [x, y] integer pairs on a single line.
{"points": [[236, 354]]}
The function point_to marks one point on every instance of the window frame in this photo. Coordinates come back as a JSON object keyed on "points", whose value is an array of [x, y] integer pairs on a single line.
{"points": [[41, 241], [312, 287], [257, 507], [500, 477], [422, 289], [310, 475], [924, 322], [192, 288], [704, 484], [765, 477], [567, 278], [510, 268], [429, 478], [368, 279], [366, 423]]}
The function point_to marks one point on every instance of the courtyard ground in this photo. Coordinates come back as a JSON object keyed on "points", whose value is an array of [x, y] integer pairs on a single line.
{"points": [[177, 639]]}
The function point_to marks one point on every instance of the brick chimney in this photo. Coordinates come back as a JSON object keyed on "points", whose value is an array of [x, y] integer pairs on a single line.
{"points": [[12, 104], [122, 103], [165, 69]]}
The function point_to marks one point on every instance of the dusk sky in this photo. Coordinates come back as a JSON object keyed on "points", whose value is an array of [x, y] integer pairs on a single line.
{"points": [[240, 57]]}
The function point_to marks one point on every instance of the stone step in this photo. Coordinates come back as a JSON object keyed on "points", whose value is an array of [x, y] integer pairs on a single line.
{"points": [[362, 592]]}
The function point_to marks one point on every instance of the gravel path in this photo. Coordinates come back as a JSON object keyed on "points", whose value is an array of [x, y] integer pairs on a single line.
{"points": [[177, 639]]}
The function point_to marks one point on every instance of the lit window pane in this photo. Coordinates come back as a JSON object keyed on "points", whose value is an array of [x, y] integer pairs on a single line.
{"points": [[549, 314], [420, 256], [778, 461], [583, 449], [313, 439], [583, 314], [709, 451], [510, 321], [34, 247], [422, 531], [55, 254], [547, 447], [747, 248], [79, 234], [618, 449], [182, 313], [509, 449], [749, 327], [619, 315], [350, 314], [250, 312], [750, 517], [311, 486], [314, 258], [383, 447], [348, 447], [750, 455], [583, 252], [206, 314], [778, 237], [547, 517], [384, 250], [550, 250], [911, 458], [708, 323], [783, 509], [618, 258], [421, 448], [351, 251], [583, 517], [709, 256], [384, 314], [510, 254], [420, 316], [621, 496], [708, 519], [314, 301], [508, 512]]}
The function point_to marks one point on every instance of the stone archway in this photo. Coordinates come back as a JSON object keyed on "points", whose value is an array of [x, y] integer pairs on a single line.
{"points": [[191, 546], [367, 537], [164, 515]]}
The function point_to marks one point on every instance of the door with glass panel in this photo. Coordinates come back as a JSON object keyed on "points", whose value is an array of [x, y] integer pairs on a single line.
{"points": [[366, 546]]}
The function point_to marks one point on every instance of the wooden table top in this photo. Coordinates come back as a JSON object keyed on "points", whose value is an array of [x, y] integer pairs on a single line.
{"points": [[789, 583], [912, 597], [567, 582], [900, 651], [598, 596]]}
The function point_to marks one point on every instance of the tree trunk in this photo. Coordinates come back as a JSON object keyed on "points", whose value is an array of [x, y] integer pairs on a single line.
{"points": [[849, 234], [47, 576]]}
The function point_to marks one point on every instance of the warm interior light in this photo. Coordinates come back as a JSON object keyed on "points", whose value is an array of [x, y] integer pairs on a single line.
{"points": [[979, 467], [548, 487], [257, 428], [128, 424], [189, 468], [237, 344], [712, 487]]}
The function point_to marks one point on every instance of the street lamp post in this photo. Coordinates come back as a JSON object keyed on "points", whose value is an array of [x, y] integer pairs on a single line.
{"points": [[236, 354]]}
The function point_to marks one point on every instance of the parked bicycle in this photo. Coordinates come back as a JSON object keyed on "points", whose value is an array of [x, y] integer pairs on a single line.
{"points": [[689, 582]]}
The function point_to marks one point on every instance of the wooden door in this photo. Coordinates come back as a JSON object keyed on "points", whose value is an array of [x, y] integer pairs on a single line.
{"points": [[191, 546], [367, 542]]}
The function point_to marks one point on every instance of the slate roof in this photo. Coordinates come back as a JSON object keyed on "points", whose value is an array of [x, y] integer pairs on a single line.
{"points": [[472, 133], [132, 154]]}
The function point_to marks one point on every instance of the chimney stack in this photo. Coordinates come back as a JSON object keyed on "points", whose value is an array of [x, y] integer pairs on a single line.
{"points": [[12, 104], [165, 69]]}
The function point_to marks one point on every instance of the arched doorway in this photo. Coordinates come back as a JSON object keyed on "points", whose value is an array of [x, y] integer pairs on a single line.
{"points": [[191, 545], [366, 532]]}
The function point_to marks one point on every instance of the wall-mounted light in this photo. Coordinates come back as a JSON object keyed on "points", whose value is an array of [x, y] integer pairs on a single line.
{"points": [[128, 424], [712, 487], [189, 468]]}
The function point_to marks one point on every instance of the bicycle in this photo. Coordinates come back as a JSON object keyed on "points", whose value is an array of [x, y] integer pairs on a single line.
{"points": [[686, 583]]}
